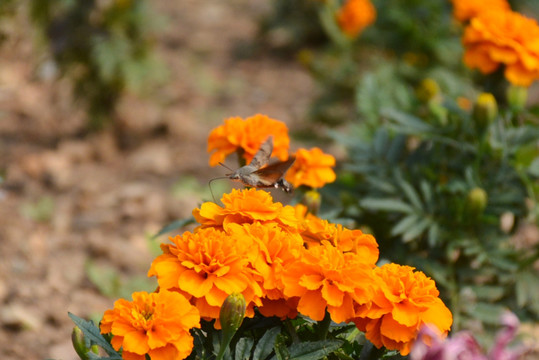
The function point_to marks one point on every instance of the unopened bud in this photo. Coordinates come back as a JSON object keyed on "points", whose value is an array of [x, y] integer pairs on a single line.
{"points": [[427, 90], [517, 97], [485, 110], [80, 344], [232, 312], [312, 200], [476, 201]]}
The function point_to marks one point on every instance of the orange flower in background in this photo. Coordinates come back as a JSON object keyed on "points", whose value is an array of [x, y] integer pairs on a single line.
{"points": [[207, 266], [324, 278], [246, 136], [355, 15], [496, 38], [464, 10], [403, 301], [245, 206], [156, 324], [312, 168]]}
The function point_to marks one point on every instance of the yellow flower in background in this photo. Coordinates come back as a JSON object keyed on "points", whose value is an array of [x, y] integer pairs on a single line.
{"points": [[496, 38], [312, 168], [245, 136], [403, 301], [354, 16], [464, 10], [156, 324], [246, 206], [207, 266]]}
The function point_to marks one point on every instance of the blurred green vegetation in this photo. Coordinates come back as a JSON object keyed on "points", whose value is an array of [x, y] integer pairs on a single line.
{"points": [[446, 180], [103, 48]]}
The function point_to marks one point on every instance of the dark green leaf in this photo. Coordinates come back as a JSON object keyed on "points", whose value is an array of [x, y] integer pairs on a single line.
{"points": [[265, 344], [534, 167], [313, 350], [243, 349], [174, 225], [416, 230], [93, 334], [487, 313], [391, 205], [404, 224]]}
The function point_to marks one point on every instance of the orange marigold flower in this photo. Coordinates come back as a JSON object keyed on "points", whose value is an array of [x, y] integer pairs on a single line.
{"points": [[404, 300], [312, 168], [245, 206], [277, 249], [355, 15], [496, 38], [246, 136], [464, 10], [208, 266], [325, 277], [156, 324], [316, 231]]}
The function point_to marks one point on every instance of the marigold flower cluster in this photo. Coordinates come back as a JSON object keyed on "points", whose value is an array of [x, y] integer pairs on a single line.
{"points": [[285, 261], [354, 16], [497, 36]]}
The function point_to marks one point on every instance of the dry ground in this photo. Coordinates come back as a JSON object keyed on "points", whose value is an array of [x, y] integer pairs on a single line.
{"points": [[68, 200]]}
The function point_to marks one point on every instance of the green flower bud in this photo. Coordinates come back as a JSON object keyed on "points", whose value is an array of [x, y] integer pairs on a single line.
{"points": [[476, 202], [517, 97], [312, 200], [232, 312], [485, 111], [80, 345], [427, 90], [231, 316]]}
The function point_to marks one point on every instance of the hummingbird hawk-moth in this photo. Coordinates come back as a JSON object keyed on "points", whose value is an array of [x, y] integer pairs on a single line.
{"points": [[261, 175]]}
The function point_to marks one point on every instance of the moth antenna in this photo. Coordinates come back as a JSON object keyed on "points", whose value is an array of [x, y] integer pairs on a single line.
{"points": [[223, 165], [209, 185]]}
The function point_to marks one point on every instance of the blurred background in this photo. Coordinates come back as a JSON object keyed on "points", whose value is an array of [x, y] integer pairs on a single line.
{"points": [[105, 109]]}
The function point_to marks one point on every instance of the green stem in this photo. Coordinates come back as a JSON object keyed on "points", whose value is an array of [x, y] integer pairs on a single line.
{"points": [[323, 326], [291, 330]]}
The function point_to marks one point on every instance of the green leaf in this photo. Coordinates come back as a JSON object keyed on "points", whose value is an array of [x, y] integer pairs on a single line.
{"points": [[173, 226], [488, 292], [410, 123], [533, 169], [487, 313], [527, 288], [243, 349], [391, 205], [404, 224], [313, 350], [410, 193], [416, 230], [91, 332], [265, 344]]}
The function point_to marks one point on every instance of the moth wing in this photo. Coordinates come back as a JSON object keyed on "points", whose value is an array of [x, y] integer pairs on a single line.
{"points": [[263, 154], [272, 173]]}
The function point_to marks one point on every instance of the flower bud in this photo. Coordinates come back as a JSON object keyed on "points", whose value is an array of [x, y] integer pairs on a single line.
{"points": [[80, 345], [517, 97], [485, 111], [427, 90], [312, 200], [232, 312], [476, 202]]}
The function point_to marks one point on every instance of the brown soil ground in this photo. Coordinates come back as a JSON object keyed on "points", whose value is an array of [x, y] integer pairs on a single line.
{"points": [[74, 207]]}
